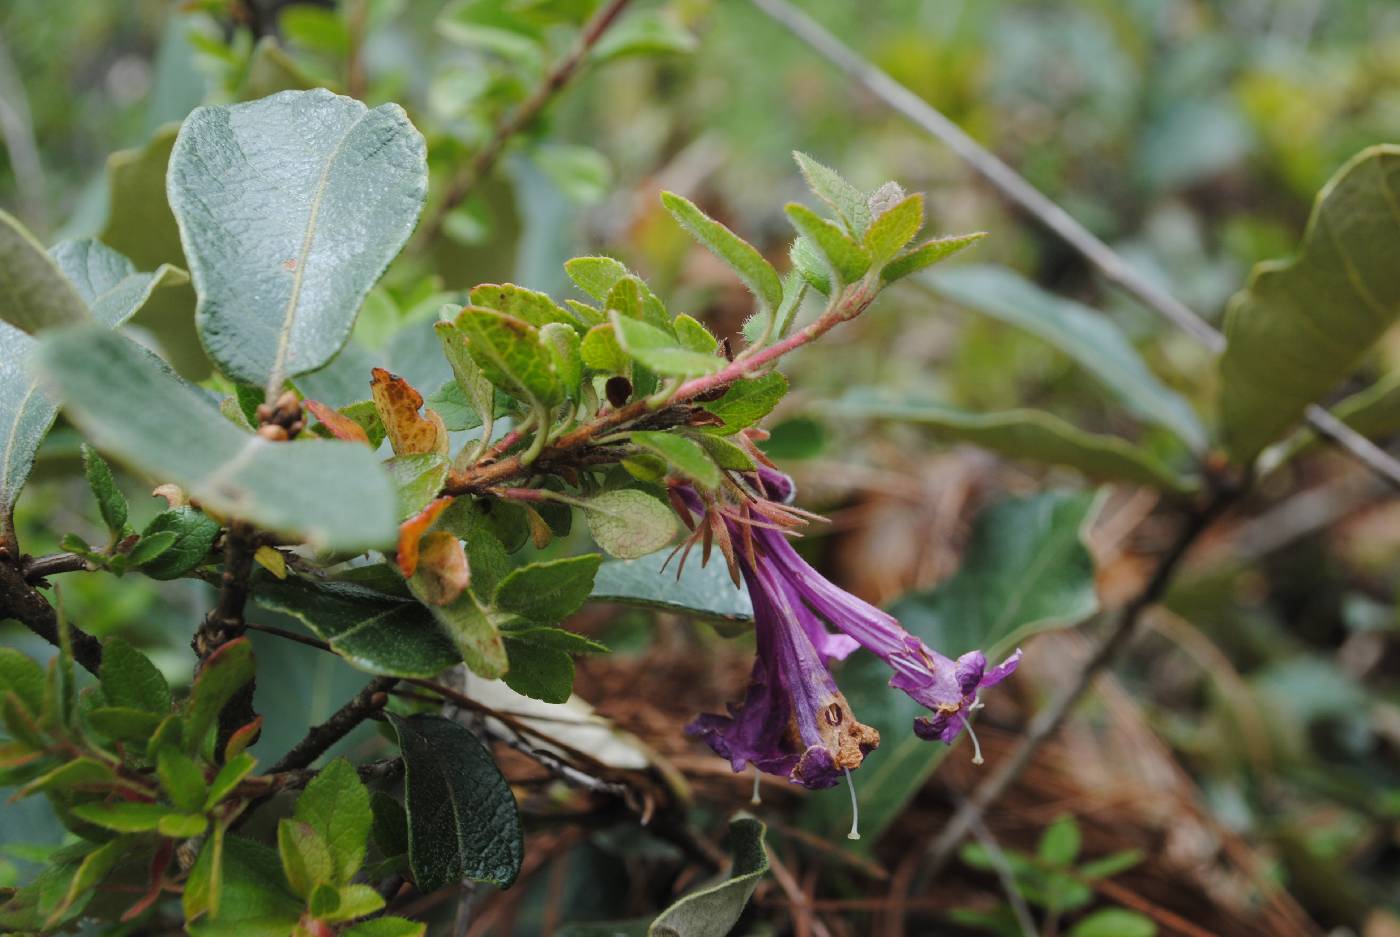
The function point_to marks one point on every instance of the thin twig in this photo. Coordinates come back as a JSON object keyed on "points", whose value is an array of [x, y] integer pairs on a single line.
{"points": [[1033, 201], [41, 567], [262, 786], [224, 623], [466, 181], [21, 601], [321, 737], [1049, 719]]}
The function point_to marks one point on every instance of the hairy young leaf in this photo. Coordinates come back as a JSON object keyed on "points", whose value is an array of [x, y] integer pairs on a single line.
{"points": [[601, 352], [130, 405], [847, 258], [462, 818], [596, 276], [758, 275], [849, 203], [510, 354], [685, 455], [535, 308], [289, 210], [1301, 326], [660, 351], [111, 503], [563, 344], [22, 677], [928, 254], [694, 336], [747, 401], [894, 228], [222, 674]]}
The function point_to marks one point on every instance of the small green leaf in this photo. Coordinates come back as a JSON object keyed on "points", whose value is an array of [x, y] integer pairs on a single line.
{"points": [[713, 911], [417, 478], [685, 455], [1059, 844], [462, 819], [811, 265], [129, 679], [354, 901], [80, 773], [849, 203], [182, 825], [126, 401], [629, 523], [93, 869], [284, 244], [336, 805], [894, 228], [182, 779], [601, 352], [645, 32], [122, 723], [660, 351], [472, 632], [230, 775], [758, 275], [596, 276], [108, 282], [194, 533], [1112, 864], [24, 678], [532, 307], [111, 503], [539, 672], [694, 336], [1114, 922], [387, 926], [375, 632], [747, 401], [724, 453], [585, 315], [510, 354], [306, 859], [548, 592], [149, 549], [121, 816], [223, 674], [846, 258], [472, 381], [928, 254], [563, 344]]}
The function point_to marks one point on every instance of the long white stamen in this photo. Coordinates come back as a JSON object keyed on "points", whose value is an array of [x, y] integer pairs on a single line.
{"points": [[976, 747], [855, 807], [755, 799], [967, 721]]}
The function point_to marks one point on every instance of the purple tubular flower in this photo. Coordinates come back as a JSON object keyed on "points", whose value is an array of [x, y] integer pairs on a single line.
{"points": [[793, 721], [947, 687]]}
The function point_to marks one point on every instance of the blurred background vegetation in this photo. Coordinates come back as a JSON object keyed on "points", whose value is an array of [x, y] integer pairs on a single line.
{"points": [[1249, 749]]}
